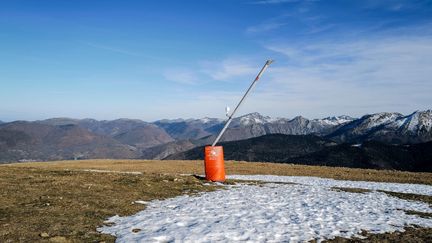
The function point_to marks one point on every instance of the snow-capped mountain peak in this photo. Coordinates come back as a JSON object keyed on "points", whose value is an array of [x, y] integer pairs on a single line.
{"points": [[378, 119], [336, 120], [209, 120], [390, 127], [254, 118], [417, 121]]}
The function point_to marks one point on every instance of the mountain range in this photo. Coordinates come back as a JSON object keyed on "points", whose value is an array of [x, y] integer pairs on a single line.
{"points": [[66, 138], [34, 141], [132, 132], [250, 125], [387, 127]]}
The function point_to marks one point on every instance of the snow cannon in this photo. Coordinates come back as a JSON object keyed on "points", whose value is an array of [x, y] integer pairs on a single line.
{"points": [[213, 155], [214, 163]]}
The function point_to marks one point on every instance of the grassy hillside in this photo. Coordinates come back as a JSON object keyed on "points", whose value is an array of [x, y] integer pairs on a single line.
{"points": [[67, 200], [314, 150], [273, 147]]}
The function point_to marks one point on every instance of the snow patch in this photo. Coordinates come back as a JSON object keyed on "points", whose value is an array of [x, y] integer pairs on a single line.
{"points": [[272, 213], [140, 202], [328, 183]]}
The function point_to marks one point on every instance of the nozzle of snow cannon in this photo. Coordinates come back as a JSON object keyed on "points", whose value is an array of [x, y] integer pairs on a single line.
{"points": [[269, 61]]}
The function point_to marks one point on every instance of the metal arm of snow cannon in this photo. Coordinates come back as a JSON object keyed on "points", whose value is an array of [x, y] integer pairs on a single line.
{"points": [[268, 62]]}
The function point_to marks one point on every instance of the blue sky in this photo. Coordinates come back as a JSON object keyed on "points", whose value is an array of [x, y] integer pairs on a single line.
{"points": [[168, 59]]}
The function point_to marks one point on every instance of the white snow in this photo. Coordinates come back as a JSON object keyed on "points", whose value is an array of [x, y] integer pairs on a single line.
{"points": [[272, 213], [383, 118], [414, 122], [207, 120], [253, 118], [140, 202], [328, 183], [335, 120]]}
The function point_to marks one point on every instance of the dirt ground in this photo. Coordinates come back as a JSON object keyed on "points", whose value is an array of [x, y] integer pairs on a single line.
{"points": [[236, 167], [66, 201]]}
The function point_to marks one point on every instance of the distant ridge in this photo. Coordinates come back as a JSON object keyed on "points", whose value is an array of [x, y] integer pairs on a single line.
{"points": [[134, 138], [387, 127], [132, 132], [250, 125], [34, 141]]}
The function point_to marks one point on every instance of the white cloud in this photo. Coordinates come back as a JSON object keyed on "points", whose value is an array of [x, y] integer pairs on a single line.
{"points": [[322, 78], [364, 76], [221, 70], [183, 76], [381, 60], [310, 23], [393, 5], [229, 68], [264, 27]]}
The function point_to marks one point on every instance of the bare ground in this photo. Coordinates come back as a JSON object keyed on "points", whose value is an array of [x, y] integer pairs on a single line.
{"points": [[66, 201]]}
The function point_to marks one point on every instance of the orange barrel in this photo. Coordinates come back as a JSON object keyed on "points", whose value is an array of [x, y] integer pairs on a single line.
{"points": [[214, 163]]}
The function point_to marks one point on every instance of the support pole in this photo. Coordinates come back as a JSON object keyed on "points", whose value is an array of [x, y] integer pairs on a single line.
{"points": [[241, 101]]}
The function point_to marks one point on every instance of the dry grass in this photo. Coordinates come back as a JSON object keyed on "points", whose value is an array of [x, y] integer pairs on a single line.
{"points": [[421, 214], [352, 190], [60, 201], [40, 204], [410, 196], [234, 167], [410, 235]]}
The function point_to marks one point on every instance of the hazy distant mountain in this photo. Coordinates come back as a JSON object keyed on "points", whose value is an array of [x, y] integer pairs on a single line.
{"points": [[296, 126], [104, 127], [189, 129], [393, 128], [128, 131], [200, 132], [313, 150], [60, 121], [254, 124], [133, 138], [164, 150], [246, 126], [35, 141], [144, 136], [250, 125]]}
